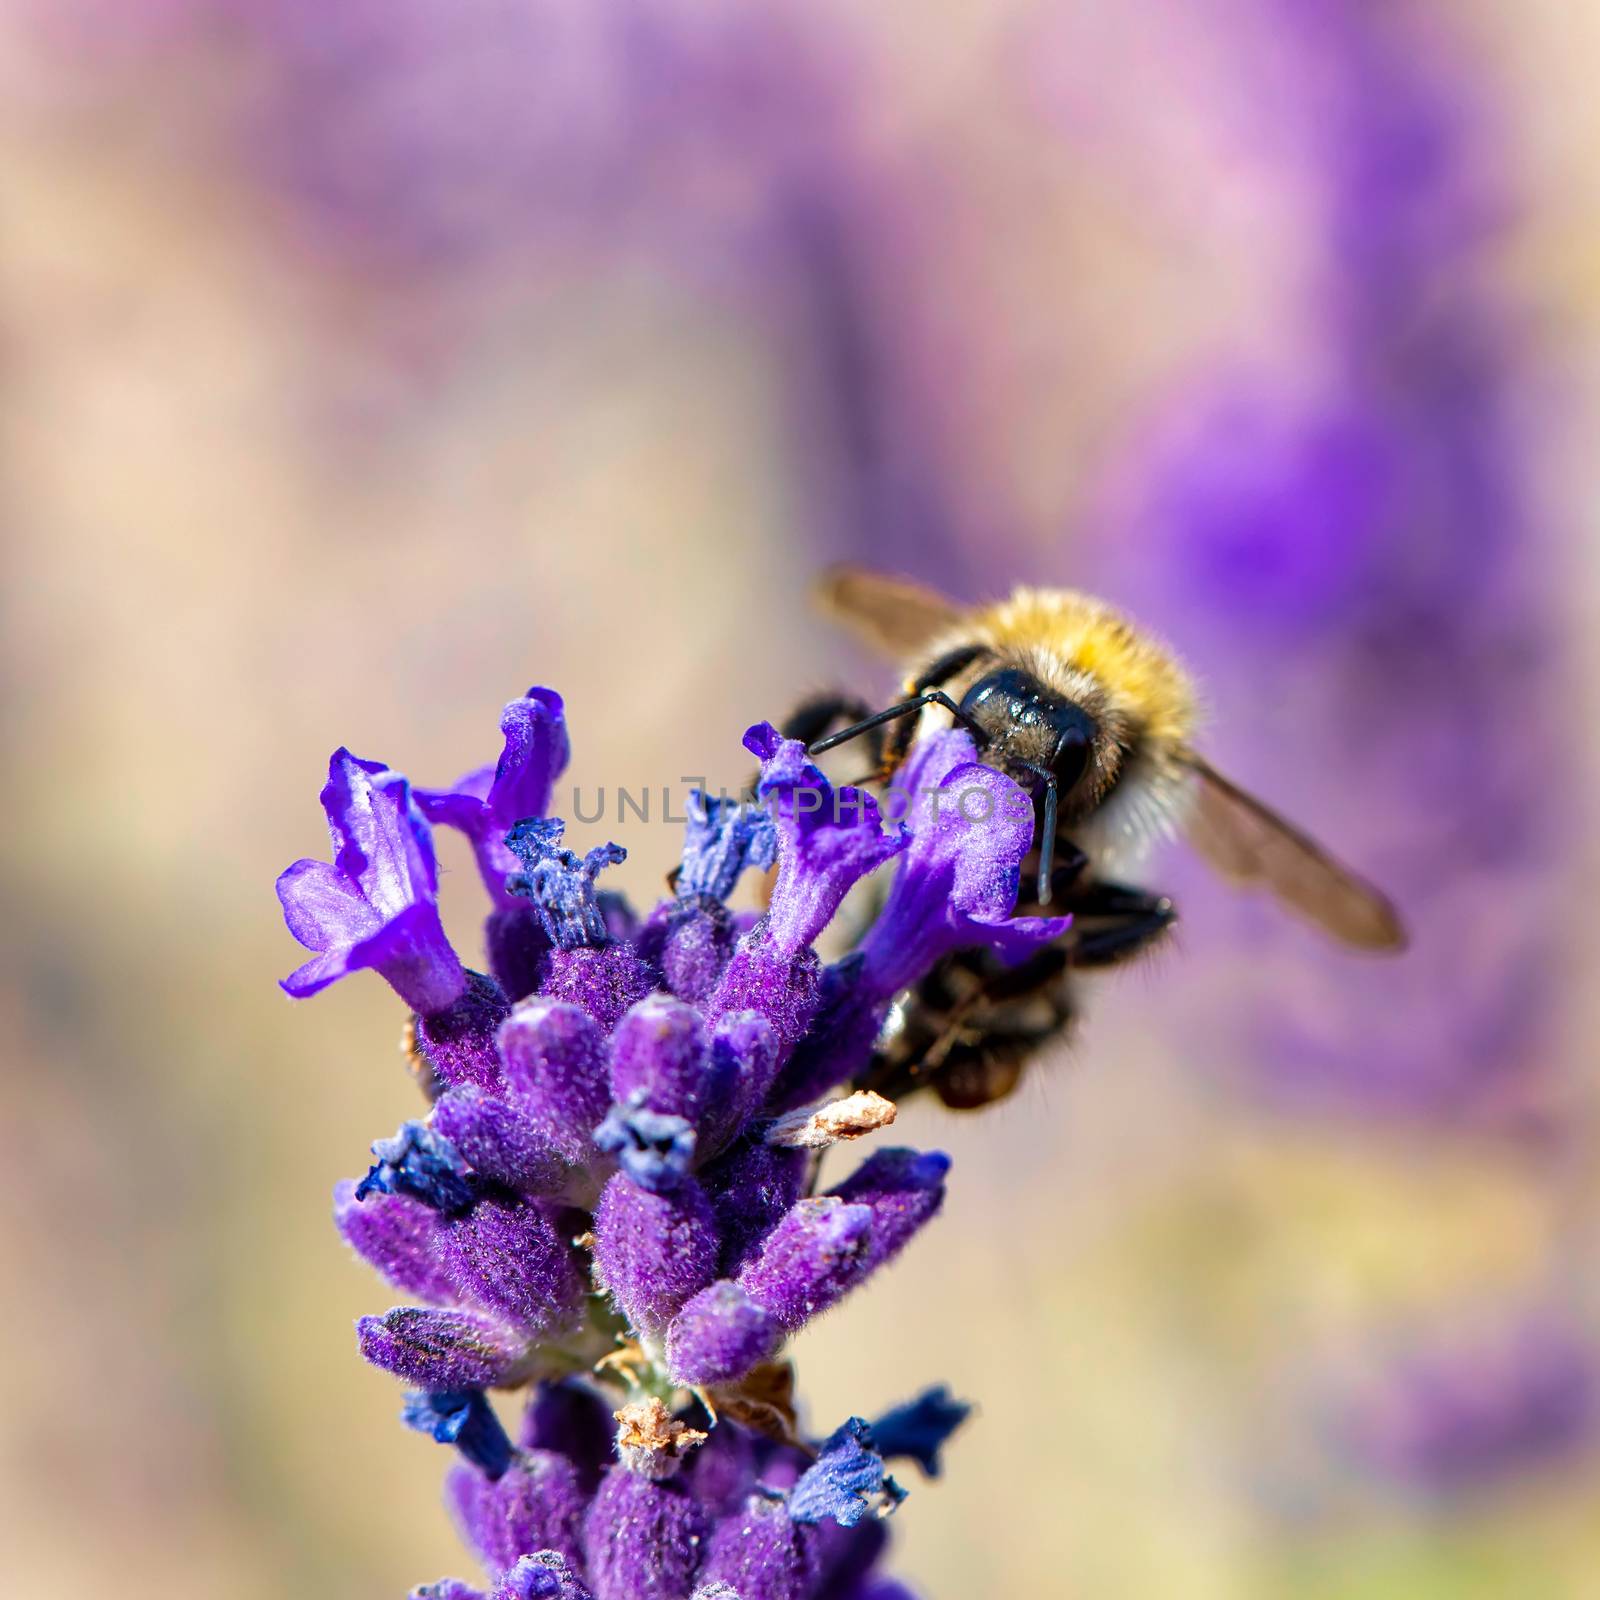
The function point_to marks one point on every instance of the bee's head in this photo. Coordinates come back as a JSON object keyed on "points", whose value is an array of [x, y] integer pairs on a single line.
{"points": [[1033, 728]]}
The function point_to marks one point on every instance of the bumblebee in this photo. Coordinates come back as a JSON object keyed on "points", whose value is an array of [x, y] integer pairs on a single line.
{"points": [[1094, 718]]}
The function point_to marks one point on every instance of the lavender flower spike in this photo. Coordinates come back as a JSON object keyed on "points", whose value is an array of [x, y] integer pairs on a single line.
{"points": [[605, 1200], [376, 905], [486, 803]]}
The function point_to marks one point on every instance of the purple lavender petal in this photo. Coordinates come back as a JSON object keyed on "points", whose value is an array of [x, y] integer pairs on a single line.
{"points": [[957, 882], [721, 839], [440, 1349], [655, 1150], [561, 885], [421, 1165], [762, 1553], [397, 1236], [554, 1062], [847, 1481], [459, 1041], [499, 1141], [904, 1190], [542, 1576], [643, 1538], [816, 1255], [653, 1251], [447, 1589], [485, 803], [375, 906], [918, 1429], [720, 1335], [464, 1418], [538, 1504], [510, 1257], [829, 839]]}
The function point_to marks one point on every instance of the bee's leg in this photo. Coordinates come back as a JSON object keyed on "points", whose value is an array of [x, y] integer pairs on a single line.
{"points": [[1113, 922]]}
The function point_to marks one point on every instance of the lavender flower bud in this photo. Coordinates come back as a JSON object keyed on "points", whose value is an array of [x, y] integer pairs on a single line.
{"points": [[538, 1504], [554, 1063], [440, 1349], [459, 1041], [751, 1188], [499, 1141], [762, 1553], [720, 1335], [509, 1257], [643, 1538], [904, 1189], [570, 1419], [659, 1059], [653, 1251], [396, 1235], [815, 1255]]}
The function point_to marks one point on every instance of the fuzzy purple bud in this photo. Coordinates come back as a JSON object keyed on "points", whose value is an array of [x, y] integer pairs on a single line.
{"points": [[396, 1235], [654, 1251], [544, 1575], [720, 1335], [763, 1553], [459, 1041], [644, 1538], [751, 1188], [440, 1349], [509, 1257], [537, 1504], [903, 1188], [815, 1256], [499, 1141], [554, 1063]]}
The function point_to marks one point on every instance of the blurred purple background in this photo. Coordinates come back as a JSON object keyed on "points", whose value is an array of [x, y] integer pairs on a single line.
{"points": [[364, 363]]}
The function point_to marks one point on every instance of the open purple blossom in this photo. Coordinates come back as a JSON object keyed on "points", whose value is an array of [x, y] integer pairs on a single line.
{"points": [[486, 803], [606, 1179], [376, 905]]}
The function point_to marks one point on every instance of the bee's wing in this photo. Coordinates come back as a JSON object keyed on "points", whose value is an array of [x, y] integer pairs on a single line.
{"points": [[1246, 842], [893, 615]]}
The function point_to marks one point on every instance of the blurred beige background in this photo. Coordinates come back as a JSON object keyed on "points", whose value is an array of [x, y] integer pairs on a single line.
{"points": [[258, 503]]}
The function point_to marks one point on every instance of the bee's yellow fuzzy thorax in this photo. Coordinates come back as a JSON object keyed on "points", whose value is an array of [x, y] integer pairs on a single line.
{"points": [[1082, 634]]}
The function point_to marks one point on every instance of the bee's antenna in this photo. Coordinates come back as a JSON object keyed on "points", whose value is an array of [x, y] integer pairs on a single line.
{"points": [[904, 709]]}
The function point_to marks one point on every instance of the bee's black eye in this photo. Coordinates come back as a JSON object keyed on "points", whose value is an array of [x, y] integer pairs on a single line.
{"points": [[1073, 750]]}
